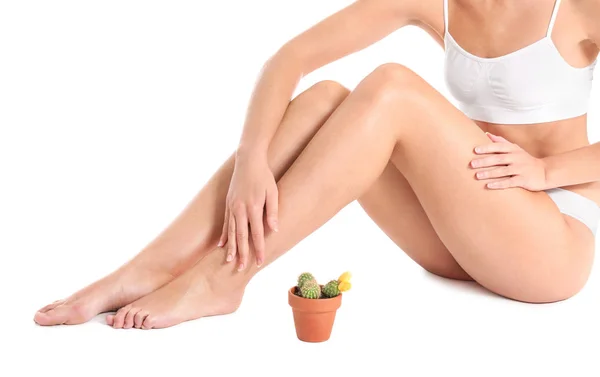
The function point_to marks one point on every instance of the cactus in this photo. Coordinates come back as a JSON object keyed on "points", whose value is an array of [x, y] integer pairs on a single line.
{"points": [[305, 277], [331, 289], [311, 289]]}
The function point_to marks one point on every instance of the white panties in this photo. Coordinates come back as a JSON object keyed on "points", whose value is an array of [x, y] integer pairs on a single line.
{"points": [[577, 206]]}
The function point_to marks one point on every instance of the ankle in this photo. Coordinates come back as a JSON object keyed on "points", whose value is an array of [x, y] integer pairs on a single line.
{"points": [[222, 275]]}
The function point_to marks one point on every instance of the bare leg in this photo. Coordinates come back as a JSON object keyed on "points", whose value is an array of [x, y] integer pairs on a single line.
{"points": [[395, 208], [539, 255], [196, 230]]}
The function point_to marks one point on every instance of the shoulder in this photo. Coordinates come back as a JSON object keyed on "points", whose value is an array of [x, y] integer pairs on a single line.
{"points": [[428, 14], [588, 12], [406, 7]]}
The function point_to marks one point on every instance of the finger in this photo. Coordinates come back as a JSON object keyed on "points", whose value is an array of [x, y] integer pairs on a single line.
{"points": [[505, 171], [258, 234], [231, 245], [504, 183], [496, 138], [223, 238], [241, 231], [494, 160], [272, 204], [495, 148]]}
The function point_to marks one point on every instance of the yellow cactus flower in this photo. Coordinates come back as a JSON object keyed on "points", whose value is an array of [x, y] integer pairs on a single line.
{"points": [[346, 276], [344, 286]]}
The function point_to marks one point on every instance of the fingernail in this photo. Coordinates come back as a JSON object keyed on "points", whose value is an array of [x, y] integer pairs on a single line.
{"points": [[259, 262], [241, 267], [229, 257], [220, 244], [477, 150]]}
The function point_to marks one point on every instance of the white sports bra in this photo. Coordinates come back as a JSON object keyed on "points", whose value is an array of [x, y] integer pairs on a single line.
{"points": [[531, 85]]}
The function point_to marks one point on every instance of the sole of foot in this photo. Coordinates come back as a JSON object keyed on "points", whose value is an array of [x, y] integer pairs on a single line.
{"points": [[115, 290]]}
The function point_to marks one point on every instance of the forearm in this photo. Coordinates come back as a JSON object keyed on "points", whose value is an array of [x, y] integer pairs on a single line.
{"points": [[271, 96], [574, 167], [353, 28]]}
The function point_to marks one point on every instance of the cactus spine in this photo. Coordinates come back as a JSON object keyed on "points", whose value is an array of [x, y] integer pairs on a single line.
{"points": [[331, 289], [305, 277], [311, 289]]}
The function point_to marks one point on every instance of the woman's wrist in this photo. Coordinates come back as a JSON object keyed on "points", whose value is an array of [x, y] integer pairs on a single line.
{"points": [[549, 172], [557, 172], [255, 153]]}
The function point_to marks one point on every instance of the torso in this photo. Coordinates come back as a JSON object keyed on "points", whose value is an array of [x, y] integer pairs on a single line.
{"points": [[490, 29]]}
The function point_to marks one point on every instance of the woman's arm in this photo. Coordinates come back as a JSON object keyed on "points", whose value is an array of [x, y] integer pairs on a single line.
{"points": [[574, 167], [349, 30], [504, 165], [580, 165]]}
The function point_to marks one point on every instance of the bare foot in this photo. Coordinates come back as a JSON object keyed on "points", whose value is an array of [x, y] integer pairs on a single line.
{"points": [[125, 285], [197, 293]]}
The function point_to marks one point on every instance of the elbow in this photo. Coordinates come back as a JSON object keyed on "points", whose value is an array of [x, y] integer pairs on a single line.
{"points": [[288, 56]]}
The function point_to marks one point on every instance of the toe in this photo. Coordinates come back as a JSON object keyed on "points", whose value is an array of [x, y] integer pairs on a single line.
{"points": [[51, 306], [78, 313], [128, 323], [138, 320], [110, 319], [56, 316], [43, 319], [119, 319], [148, 322]]}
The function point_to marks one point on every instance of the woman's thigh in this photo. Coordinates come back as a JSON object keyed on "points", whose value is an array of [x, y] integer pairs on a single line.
{"points": [[514, 242], [394, 207]]}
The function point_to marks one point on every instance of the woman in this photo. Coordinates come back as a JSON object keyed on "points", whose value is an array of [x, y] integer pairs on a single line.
{"points": [[503, 191]]}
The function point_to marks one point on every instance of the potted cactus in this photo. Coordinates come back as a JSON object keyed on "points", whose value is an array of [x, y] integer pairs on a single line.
{"points": [[314, 305]]}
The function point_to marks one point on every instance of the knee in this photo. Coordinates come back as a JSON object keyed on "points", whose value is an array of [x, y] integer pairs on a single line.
{"points": [[325, 95], [393, 82]]}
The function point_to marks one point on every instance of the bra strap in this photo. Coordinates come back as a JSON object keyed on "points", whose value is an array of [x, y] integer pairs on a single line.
{"points": [[445, 16], [553, 19]]}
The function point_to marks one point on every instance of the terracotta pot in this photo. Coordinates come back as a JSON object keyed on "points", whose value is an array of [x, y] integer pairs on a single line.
{"points": [[313, 318]]}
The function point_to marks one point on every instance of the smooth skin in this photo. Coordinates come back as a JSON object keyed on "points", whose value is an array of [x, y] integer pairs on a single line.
{"points": [[376, 142]]}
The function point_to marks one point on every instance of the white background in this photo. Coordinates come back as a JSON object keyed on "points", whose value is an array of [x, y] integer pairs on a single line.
{"points": [[113, 114]]}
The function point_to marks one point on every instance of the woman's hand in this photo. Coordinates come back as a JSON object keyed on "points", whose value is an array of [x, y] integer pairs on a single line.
{"points": [[252, 188], [508, 165]]}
